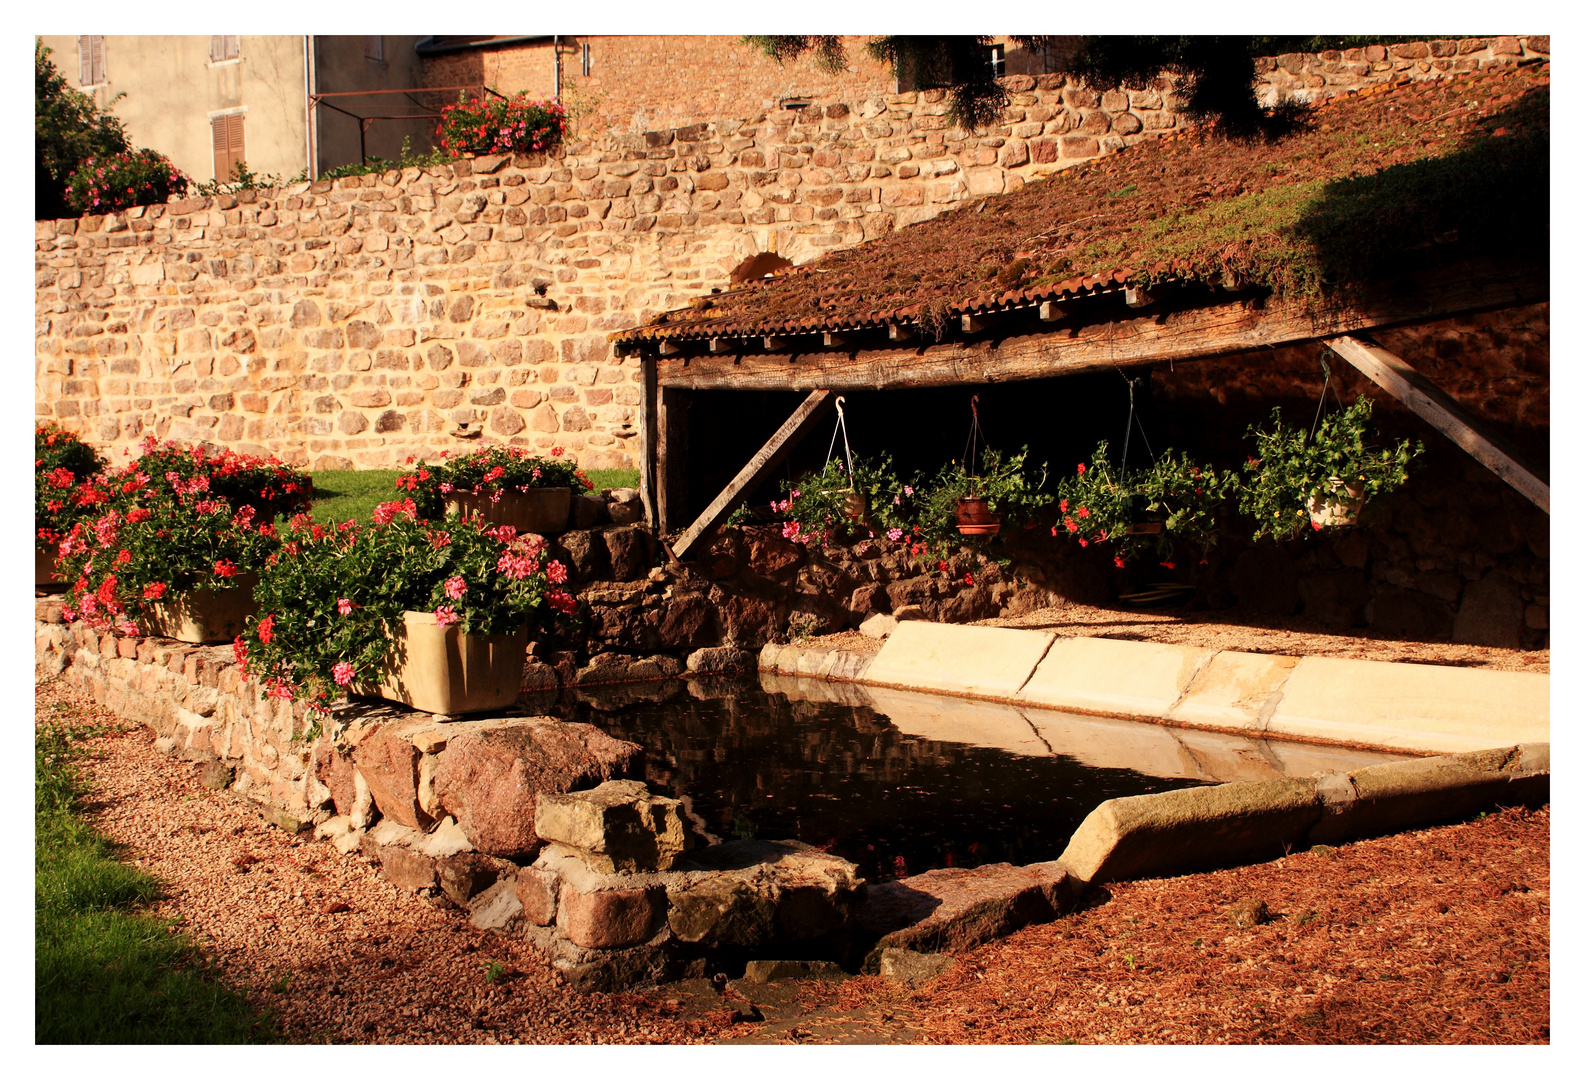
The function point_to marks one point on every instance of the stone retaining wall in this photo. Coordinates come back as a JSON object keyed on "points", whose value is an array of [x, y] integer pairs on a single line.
{"points": [[353, 322]]}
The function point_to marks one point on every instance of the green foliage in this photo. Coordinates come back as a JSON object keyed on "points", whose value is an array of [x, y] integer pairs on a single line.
{"points": [[606, 479], [1005, 483], [1100, 503], [103, 971], [61, 462], [245, 179], [831, 506], [106, 184], [1290, 468], [67, 129], [495, 125], [486, 471], [377, 164], [331, 597], [494, 971]]}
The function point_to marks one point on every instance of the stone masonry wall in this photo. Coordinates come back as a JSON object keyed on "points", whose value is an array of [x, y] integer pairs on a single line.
{"points": [[352, 323]]}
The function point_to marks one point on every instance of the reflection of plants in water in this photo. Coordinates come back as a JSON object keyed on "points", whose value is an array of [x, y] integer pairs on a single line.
{"points": [[743, 828]]}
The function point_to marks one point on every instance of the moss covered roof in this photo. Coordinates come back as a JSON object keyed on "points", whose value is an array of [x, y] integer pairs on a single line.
{"points": [[1401, 171]]}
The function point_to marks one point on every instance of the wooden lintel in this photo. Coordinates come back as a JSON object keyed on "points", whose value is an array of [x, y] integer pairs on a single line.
{"points": [[976, 324], [1136, 297], [835, 341], [1230, 325], [899, 332], [769, 457], [1432, 405], [670, 348], [775, 344], [1051, 311]]}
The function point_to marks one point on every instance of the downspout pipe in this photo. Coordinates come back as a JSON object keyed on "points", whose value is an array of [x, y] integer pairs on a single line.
{"points": [[555, 55], [311, 114]]}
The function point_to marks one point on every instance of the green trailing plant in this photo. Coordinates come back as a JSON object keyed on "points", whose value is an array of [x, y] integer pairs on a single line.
{"points": [[62, 462], [1006, 483], [407, 160], [107, 183], [245, 179], [1174, 498], [835, 505], [490, 470], [1292, 471], [331, 596]]}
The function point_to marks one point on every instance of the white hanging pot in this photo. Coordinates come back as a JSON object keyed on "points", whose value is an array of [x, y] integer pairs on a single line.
{"points": [[1339, 505]]}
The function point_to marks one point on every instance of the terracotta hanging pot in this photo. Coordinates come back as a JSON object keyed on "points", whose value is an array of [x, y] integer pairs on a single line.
{"points": [[204, 616], [537, 510], [975, 518], [1142, 521], [1338, 506], [439, 669]]}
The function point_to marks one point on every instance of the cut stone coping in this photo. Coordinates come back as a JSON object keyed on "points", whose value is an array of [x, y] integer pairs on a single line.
{"points": [[1414, 708]]}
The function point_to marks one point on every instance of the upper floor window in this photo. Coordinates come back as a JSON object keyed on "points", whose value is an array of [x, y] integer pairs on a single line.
{"points": [[91, 59], [223, 47], [374, 47], [998, 61]]}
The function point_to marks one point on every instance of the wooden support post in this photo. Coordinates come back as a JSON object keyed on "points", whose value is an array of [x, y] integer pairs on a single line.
{"points": [[1051, 311], [1136, 297], [974, 324], [835, 341], [775, 344], [769, 457], [1433, 406], [648, 421], [671, 458], [720, 345], [899, 332]]}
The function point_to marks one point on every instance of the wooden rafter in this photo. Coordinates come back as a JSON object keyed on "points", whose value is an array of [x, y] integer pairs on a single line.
{"points": [[1231, 326], [1403, 382], [769, 457]]}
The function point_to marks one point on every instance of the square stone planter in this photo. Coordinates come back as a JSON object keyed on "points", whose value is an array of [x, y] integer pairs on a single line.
{"points": [[204, 616], [442, 670], [537, 510]]}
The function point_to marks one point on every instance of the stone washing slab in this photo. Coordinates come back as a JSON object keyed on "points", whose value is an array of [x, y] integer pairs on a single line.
{"points": [[1235, 690], [1116, 678], [1422, 707], [975, 661]]}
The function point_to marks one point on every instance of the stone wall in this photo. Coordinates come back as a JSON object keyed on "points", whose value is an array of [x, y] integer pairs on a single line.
{"points": [[355, 322]]}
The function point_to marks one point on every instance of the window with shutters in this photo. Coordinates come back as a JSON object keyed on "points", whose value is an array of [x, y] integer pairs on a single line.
{"points": [[91, 59], [223, 47], [374, 47], [227, 135]]}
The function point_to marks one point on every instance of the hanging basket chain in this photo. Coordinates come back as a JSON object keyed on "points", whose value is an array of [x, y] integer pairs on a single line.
{"points": [[842, 428], [976, 441], [1128, 429]]}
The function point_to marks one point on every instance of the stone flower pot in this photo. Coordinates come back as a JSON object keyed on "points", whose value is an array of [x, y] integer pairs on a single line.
{"points": [[204, 616], [442, 670], [537, 510], [975, 518], [1338, 506]]}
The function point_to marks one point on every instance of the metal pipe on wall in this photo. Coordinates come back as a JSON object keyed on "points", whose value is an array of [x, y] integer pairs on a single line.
{"points": [[310, 113]]}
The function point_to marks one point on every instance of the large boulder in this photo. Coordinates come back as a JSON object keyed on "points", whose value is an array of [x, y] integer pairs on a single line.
{"points": [[491, 775], [753, 892], [956, 907], [618, 826], [388, 762]]}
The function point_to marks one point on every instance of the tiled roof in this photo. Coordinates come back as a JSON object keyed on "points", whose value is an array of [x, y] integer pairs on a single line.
{"points": [[1184, 208]]}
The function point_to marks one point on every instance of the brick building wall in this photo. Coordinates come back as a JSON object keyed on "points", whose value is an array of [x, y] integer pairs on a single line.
{"points": [[358, 321]]}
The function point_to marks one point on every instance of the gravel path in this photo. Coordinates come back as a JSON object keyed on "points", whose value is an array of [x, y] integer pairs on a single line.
{"points": [[1431, 936]]}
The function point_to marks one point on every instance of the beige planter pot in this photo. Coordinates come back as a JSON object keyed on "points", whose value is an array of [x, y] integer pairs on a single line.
{"points": [[1340, 507], [205, 616], [442, 670], [537, 510], [44, 568]]}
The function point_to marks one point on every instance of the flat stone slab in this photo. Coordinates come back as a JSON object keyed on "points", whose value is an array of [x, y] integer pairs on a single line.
{"points": [[956, 908], [977, 661], [1115, 678], [1413, 706], [959, 720], [1234, 690]]}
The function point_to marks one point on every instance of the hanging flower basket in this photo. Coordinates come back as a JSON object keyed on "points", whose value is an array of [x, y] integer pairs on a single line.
{"points": [[204, 616], [1339, 505], [439, 669], [537, 510], [855, 506], [975, 518]]}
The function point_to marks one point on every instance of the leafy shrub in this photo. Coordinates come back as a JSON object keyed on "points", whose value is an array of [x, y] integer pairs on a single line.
{"points": [[1291, 467], [1100, 504], [516, 125], [61, 462], [67, 127], [245, 179], [102, 185], [489, 470], [329, 599]]}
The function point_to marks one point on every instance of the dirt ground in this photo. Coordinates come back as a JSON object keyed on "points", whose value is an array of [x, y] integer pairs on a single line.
{"points": [[1440, 935], [1210, 629]]}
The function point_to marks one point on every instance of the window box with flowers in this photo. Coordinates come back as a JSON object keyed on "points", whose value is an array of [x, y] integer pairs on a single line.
{"points": [[1298, 481], [1144, 511], [499, 485], [435, 615], [64, 493]]}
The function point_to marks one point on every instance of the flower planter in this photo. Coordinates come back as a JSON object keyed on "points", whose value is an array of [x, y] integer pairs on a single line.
{"points": [[44, 569], [204, 616], [975, 518], [537, 510], [442, 670], [1339, 507], [855, 506]]}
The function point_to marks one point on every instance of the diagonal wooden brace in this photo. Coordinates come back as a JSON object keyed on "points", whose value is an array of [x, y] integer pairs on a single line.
{"points": [[772, 454]]}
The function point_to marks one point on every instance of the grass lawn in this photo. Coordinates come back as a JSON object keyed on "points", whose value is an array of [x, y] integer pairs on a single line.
{"points": [[354, 493], [104, 971]]}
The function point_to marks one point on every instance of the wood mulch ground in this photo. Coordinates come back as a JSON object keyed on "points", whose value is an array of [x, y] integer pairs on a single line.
{"points": [[1295, 636], [1440, 935]]}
